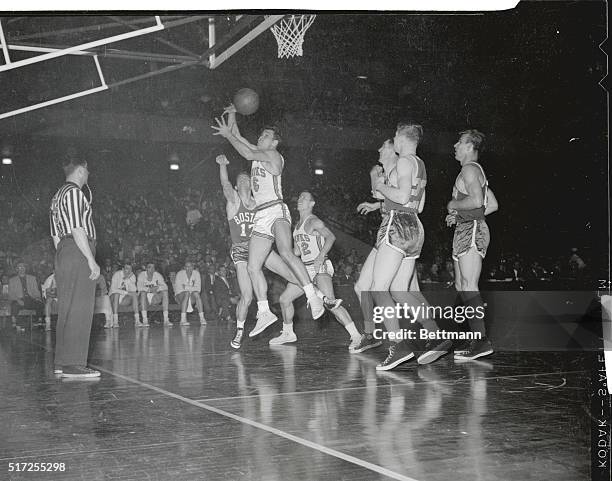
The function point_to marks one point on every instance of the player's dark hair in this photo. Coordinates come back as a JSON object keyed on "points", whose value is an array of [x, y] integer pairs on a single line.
{"points": [[71, 162], [410, 130], [275, 130], [475, 138], [312, 197]]}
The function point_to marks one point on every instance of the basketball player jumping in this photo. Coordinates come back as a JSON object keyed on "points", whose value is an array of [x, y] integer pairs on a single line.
{"points": [[240, 209], [312, 241], [404, 193], [469, 206], [272, 219]]}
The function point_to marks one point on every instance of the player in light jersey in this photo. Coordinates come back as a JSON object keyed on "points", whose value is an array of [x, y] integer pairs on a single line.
{"points": [[49, 293], [467, 210], [187, 289], [240, 209], [272, 220], [403, 236], [312, 240], [153, 290], [123, 292]]}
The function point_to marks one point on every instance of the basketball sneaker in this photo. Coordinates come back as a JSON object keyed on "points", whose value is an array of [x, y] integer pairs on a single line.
{"points": [[433, 351], [284, 338], [354, 344], [478, 348], [316, 307], [79, 372], [57, 369], [264, 319], [184, 323], [461, 347], [398, 353], [366, 342], [331, 304], [237, 341]]}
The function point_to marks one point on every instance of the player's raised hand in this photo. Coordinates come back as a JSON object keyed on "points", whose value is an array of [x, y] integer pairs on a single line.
{"points": [[222, 128], [230, 109], [222, 160]]}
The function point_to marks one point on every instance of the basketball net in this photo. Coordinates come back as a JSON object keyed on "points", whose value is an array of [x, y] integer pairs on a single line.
{"points": [[289, 34]]}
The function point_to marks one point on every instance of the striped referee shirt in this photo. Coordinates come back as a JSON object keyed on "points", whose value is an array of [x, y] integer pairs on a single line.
{"points": [[70, 209]]}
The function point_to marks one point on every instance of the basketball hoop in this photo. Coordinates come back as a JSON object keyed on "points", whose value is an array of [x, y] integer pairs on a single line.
{"points": [[289, 34]]}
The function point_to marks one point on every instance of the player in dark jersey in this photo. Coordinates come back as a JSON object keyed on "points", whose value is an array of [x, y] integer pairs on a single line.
{"points": [[402, 238], [240, 209], [401, 281], [467, 211]]}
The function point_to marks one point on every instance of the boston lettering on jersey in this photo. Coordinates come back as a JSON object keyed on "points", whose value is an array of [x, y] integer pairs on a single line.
{"points": [[241, 225]]}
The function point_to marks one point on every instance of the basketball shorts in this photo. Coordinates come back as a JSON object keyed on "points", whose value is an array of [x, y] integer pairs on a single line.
{"points": [[403, 232], [326, 268], [473, 233], [266, 218], [154, 298], [240, 252]]}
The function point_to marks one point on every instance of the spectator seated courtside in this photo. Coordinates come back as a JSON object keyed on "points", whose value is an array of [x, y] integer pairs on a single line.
{"points": [[187, 287], [124, 292], [153, 290], [24, 293]]}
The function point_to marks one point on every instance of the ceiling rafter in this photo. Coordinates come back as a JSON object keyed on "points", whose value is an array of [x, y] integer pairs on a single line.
{"points": [[170, 44], [169, 22]]}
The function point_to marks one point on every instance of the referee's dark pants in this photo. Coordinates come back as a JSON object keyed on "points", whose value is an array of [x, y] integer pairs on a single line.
{"points": [[75, 303]]}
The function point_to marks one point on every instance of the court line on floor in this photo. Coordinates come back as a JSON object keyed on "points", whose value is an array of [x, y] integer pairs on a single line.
{"points": [[304, 442], [356, 388]]}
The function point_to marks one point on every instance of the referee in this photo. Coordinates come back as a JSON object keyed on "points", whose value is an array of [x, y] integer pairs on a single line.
{"points": [[76, 271]]}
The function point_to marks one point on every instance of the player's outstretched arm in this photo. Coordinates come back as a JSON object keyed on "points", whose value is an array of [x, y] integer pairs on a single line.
{"points": [[228, 190], [247, 151], [367, 207], [231, 121]]}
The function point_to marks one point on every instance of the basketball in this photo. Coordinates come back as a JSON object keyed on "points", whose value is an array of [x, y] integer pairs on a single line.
{"points": [[246, 101]]}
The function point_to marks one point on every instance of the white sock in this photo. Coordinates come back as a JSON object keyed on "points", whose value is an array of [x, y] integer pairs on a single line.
{"points": [[262, 306], [201, 316], [144, 316], [288, 328], [240, 324], [136, 317], [352, 330], [183, 316], [116, 317], [165, 316], [47, 320], [309, 290]]}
